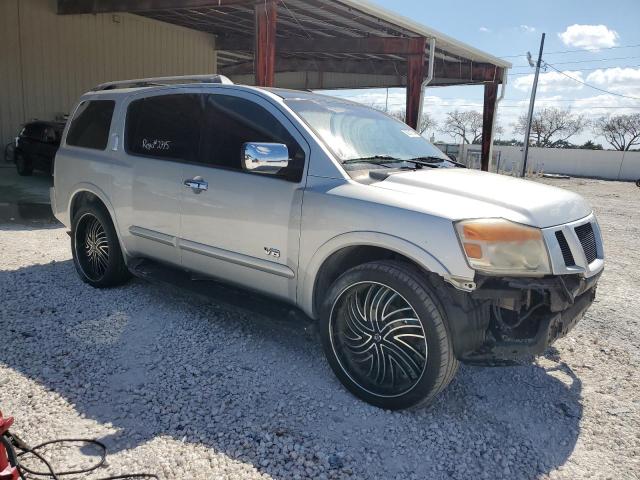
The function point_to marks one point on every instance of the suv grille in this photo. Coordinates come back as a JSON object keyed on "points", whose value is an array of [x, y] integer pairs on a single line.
{"points": [[566, 251], [587, 239]]}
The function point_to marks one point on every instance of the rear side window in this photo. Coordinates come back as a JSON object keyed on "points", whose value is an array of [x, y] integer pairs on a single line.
{"points": [[90, 126], [165, 126]]}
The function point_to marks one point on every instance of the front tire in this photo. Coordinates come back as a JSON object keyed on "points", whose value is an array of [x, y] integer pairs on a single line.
{"points": [[23, 165], [385, 336], [96, 250]]}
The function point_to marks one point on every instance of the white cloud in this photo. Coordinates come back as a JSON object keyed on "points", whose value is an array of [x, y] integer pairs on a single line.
{"points": [[589, 37], [620, 80], [527, 28], [550, 82], [484, 29]]}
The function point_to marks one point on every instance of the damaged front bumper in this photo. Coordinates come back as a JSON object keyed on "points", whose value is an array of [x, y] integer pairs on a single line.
{"points": [[508, 320]]}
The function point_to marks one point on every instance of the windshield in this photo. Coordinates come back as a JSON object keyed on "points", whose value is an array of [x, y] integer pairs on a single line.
{"points": [[353, 132]]}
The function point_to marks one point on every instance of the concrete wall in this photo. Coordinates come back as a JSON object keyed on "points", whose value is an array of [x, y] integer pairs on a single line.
{"points": [[47, 60], [607, 164]]}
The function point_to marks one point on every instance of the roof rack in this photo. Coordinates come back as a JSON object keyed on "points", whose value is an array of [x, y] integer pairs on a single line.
{"points": [[162, 81]]}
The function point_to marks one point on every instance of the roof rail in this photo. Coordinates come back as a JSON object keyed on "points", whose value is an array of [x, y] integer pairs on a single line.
{"points": [[161, 81]]}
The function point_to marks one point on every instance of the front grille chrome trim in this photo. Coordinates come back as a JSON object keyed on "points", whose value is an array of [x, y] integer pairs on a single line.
{"points": [[561, 255]]}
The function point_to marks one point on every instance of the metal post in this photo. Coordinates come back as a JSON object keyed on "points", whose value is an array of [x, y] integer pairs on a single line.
{"points": [[531, 106], [266, 15]]}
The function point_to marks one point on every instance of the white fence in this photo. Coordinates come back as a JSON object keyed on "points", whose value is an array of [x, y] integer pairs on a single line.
{"points": [[607, 164]]}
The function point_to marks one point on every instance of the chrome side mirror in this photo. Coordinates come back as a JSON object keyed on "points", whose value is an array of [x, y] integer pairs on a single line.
{"points": [[266, 158]]}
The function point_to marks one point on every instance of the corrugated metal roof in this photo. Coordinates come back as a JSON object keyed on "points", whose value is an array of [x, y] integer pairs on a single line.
{"points": [[340, 19]]}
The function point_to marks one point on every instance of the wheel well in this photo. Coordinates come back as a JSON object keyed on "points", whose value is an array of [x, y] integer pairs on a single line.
{"points": [[84, 198], [349, 257]]}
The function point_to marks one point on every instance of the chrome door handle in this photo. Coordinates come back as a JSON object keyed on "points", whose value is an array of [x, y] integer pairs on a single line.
{"points": [[197, 184]]}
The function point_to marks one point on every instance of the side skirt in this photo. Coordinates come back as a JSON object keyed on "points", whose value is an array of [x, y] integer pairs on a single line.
{"points": [[212, 290]]}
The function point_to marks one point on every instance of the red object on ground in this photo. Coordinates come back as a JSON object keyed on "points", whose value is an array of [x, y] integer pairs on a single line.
{"points": [[7, 472]]}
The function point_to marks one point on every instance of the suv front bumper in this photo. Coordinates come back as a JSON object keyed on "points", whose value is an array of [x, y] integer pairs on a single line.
{"points": [[509, 320]]}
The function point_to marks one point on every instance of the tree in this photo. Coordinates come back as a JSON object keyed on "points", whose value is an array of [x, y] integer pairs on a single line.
{"points": [[514, 142], [551, 127], [426, 122], [466, 125], [589, 145], [620, 131]]}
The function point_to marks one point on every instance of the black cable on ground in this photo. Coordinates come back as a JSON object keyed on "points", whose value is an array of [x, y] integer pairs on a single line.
{"points": [[17, 448]]}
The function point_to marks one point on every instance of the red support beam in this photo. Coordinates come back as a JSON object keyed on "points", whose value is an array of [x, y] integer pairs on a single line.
{"points": [[364, 45], [73, 7], [488, 117], [265, 52], [416, 71]]}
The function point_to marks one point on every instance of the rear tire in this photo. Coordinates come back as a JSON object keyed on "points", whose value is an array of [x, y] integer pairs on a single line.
{"points": [[385, 335], [23, 165], [96, 250]]}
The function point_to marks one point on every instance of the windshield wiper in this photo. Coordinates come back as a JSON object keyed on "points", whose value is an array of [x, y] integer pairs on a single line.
{"points": [[433, 161], [375, 160]]}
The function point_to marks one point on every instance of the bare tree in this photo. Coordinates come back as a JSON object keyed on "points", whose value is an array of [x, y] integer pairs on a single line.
{"points": [[551, 127], [466, 125], [620, 131], [426, 122]]}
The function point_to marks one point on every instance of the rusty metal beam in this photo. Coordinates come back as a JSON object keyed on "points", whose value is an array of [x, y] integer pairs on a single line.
{"points": [[444, 73], [72, 7], [416, 72], [488, 119], [265, 43], [368, 45], [329, 65]]}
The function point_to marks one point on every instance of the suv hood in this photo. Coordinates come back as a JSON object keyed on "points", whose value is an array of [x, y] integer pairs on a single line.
{"points": [[459, 193]]}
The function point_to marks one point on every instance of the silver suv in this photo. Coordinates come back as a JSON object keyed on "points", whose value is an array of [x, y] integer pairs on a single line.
{"points": [[409, 262]]}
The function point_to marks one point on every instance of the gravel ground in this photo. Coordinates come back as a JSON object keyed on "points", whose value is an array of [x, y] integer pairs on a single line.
{"points": [[188, 389]]}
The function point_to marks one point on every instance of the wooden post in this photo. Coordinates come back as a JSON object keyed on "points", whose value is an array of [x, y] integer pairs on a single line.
{"points": [[416, 71], [265, 53], [488, 119]]}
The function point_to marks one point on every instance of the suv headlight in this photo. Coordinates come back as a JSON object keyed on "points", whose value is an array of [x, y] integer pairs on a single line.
{"points": [[495, 245]]}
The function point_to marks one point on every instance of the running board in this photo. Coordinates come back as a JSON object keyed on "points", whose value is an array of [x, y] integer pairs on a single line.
{"points": [[209, 289]]}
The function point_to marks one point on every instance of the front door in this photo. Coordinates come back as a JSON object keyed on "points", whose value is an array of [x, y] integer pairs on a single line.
{"points": [[243, 227]]}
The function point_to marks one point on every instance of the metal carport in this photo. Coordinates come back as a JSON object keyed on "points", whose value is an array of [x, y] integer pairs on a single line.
{"points": [[325, 44]]}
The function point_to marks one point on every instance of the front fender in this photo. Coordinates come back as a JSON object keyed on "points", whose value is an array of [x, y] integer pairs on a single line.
{"points": [[309, 272]]}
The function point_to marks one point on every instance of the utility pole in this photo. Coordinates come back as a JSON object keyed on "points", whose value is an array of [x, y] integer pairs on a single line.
{"points": [[531, 105]]}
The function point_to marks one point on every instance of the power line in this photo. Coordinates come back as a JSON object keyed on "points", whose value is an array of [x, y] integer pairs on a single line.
{"points": [[592, 86], [586, 61], [580, 69], [582, 50], [479, 105]]}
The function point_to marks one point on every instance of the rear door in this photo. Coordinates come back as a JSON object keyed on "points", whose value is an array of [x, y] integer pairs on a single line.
{"points": [[238, 226], [162, 132]]}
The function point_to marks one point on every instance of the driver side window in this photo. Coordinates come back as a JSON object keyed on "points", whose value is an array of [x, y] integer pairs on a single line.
{"points": [[230, 122]]}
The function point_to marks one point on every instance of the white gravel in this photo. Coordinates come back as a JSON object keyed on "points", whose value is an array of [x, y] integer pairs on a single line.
{"points": [[188, 389]]}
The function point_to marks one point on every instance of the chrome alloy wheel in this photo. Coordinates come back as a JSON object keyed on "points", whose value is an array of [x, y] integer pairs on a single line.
{"points": [[378, 339], [92, 247]]}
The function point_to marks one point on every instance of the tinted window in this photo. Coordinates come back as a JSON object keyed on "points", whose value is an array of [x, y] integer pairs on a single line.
{"points": [[166, 126], [232, 122], [90, 126], [33, 131]]}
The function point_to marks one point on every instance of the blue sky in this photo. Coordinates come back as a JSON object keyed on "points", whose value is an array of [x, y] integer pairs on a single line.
{"points": [[510, 28]]}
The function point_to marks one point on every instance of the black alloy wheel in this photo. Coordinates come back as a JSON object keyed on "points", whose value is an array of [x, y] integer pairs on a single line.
{"points": [[96, 250], [385, 335]]}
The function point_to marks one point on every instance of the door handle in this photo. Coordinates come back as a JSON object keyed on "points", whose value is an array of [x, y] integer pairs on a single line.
{"points": [[197, 184]]}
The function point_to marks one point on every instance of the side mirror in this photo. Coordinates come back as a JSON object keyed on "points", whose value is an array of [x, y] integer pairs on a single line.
{"points": [[266, 158]]}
